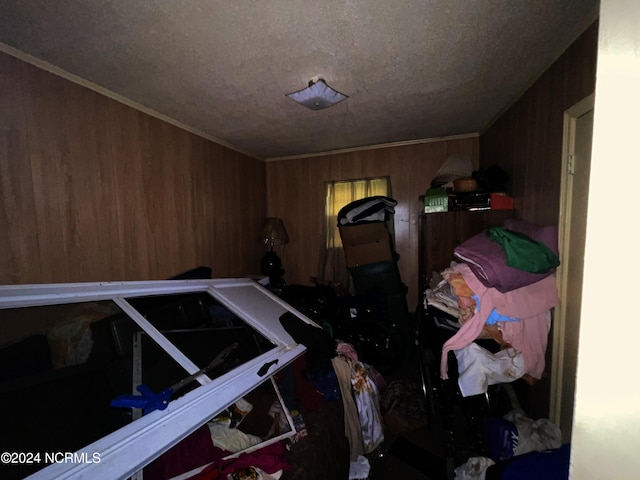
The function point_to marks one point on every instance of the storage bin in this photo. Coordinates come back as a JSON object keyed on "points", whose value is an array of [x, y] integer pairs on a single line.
{"points": [[436, 200]]}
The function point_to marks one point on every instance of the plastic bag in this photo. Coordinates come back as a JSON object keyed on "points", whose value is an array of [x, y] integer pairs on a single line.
{"points": [[534, 435], [474, 469], [478, 368], [359, 469]]}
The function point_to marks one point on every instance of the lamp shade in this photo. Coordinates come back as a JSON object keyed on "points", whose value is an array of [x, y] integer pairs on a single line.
{"points": [[456, 166], [273, 232]]}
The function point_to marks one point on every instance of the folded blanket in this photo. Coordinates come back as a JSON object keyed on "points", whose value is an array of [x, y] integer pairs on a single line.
{"points": [[488, 259], [370, 209], [523, 252]]}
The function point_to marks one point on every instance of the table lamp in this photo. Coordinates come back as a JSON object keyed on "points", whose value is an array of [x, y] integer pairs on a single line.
{"points": [[273, 233]]}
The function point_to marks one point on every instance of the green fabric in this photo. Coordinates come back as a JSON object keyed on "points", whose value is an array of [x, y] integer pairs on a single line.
{"points": [[523, 252]]}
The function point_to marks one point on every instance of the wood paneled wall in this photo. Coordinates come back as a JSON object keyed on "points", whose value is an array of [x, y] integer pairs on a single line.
{"points": [[93, 190], [296, 192], [526, 141]]}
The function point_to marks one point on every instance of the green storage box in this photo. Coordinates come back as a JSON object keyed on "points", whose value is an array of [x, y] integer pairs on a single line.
{"points": [[436, 200]]}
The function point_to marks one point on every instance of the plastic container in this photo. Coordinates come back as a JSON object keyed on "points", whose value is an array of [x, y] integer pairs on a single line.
{"points": [[436, 200]]}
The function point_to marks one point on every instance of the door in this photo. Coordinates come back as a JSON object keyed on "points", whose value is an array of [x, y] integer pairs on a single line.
{"points": [[573, 216]]}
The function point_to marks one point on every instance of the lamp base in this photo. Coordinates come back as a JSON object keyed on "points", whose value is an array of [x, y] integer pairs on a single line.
{"points": [[271, 266]]}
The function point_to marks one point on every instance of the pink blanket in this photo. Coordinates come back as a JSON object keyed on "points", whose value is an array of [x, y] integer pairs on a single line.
{"points": [[529, 303]]}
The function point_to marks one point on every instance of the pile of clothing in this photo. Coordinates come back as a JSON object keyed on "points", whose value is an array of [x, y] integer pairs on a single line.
{"points": [[336, 370], [503, 288]]}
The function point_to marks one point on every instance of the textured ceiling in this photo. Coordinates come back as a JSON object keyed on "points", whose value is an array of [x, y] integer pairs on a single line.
{"points": [[413, 69]]}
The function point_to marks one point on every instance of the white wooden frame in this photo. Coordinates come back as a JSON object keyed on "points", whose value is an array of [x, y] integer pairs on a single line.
{"points": [[127, 450]]}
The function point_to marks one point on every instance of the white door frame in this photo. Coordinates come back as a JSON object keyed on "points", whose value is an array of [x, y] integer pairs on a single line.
{"points": [[566, 191]]}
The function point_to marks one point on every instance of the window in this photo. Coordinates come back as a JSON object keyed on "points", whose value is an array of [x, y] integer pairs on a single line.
{"points": [[221, 339], [343, 192]]}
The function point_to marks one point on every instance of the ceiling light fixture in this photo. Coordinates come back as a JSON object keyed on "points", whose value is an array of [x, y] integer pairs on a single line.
{"points": [[317, 95]]}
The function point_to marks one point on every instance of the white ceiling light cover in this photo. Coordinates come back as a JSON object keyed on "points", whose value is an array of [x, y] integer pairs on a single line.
{"points": [[317, 95]]}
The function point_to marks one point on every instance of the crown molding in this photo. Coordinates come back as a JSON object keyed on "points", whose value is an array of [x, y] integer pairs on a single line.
{"points": [[375, 147]]}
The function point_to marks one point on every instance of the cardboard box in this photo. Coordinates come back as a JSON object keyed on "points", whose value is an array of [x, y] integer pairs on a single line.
{"points": [[366, 243]]}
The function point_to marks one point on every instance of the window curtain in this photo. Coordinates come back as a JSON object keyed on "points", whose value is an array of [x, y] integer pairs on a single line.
{"points": [[333, 268]]}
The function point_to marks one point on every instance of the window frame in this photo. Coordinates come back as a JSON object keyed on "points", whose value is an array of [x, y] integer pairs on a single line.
{"points": [[127, 450]]}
